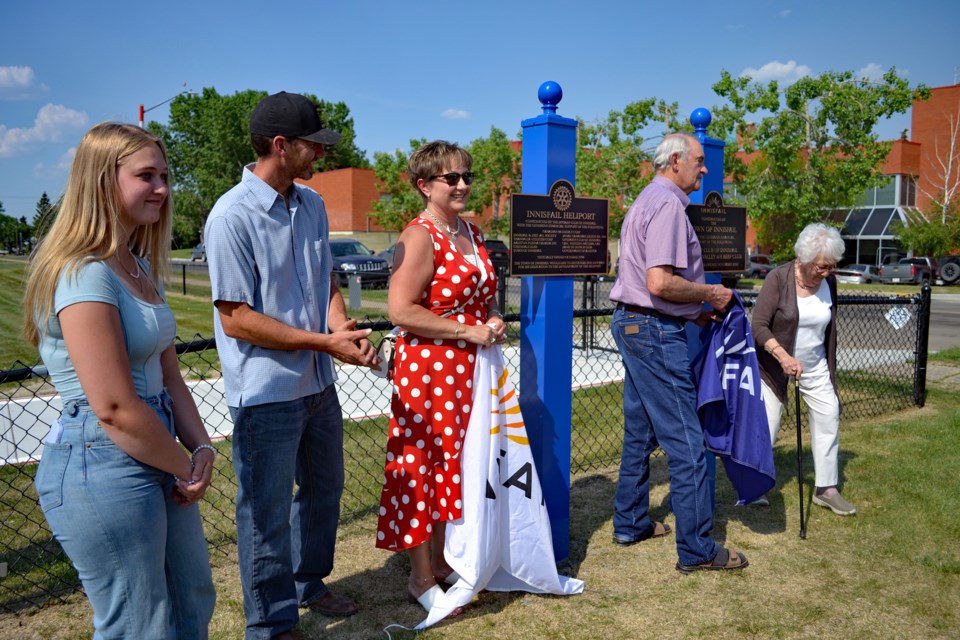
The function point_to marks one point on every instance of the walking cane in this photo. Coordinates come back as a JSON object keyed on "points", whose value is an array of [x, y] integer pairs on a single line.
{"points": [[803, 527]]}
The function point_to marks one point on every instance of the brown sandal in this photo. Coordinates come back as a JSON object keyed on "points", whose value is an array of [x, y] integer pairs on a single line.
{"points": [[725, 560]]}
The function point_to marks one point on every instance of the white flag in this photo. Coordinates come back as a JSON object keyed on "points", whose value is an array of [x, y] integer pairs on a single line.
{"points": [[503, 541]]}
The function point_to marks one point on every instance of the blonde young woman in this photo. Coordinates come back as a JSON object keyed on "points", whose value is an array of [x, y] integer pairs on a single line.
{"points": [[119, 491]]}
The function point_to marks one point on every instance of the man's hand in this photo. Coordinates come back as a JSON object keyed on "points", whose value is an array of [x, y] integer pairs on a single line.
{"points": [[706, 317], [351, 346], [719, 297]]}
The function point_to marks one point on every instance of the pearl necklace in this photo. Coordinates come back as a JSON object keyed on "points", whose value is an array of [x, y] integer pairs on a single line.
{"points": [[442, 226]]}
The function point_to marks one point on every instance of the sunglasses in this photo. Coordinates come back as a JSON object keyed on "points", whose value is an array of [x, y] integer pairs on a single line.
{"points": [[453, 179]]}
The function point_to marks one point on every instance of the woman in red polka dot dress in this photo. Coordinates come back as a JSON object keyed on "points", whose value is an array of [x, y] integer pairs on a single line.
{"points": [[442, 295]]}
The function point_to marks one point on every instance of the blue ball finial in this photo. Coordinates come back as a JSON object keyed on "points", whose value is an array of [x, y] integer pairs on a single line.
{"points": [[700, 119], [550, 95]]}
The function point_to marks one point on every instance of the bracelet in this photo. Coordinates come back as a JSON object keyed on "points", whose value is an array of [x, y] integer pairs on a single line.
{"points": [[494, 313], [203, 446], [456, 332]]}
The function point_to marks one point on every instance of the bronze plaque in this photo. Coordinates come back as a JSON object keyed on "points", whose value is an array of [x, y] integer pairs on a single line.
{"points": [[722, 231], [558, 234]]}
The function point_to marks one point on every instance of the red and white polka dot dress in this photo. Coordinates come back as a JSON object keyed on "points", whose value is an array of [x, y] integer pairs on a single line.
{"points": [[432, 398]]}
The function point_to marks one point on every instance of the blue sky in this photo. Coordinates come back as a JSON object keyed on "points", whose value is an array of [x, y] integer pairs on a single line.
{"points": [[430, 69]]}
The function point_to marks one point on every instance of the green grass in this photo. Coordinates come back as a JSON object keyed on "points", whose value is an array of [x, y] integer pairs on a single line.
{"points": [[892, 571], [946, 355]]}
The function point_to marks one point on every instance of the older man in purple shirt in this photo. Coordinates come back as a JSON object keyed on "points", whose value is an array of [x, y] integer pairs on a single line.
{"points": [[659, 288]]}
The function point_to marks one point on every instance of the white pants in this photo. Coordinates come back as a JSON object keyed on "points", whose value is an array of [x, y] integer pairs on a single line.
{"points": [[823, 412]]}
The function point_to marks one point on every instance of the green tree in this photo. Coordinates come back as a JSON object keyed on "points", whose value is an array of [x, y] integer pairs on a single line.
{"points": [[934, 235], [812, 148], [612, 162], [8, 231], [43, 206], [208, 142], [497, 167], [398, 203]]}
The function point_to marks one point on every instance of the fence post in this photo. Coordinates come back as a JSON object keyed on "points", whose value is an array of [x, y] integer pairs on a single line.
{"points": [[354, 293], [546, 316], [183, 277], [923, 340], [713, 151]]}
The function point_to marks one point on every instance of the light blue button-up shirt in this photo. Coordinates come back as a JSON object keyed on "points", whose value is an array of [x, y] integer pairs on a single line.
{"points": [[277, 260]]}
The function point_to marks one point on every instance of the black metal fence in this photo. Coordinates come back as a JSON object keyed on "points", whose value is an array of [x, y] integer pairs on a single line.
{"points": [[881, 362]]}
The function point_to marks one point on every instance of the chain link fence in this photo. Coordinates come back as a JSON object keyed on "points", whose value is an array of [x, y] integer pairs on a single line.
{"points": [[880, 372]]}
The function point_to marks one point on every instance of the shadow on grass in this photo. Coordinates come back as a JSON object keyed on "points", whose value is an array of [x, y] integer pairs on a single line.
{"points": [[773, 519]]}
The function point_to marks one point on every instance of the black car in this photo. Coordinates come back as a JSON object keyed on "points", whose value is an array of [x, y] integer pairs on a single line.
{"points": [[351, 257], [499, 253]]}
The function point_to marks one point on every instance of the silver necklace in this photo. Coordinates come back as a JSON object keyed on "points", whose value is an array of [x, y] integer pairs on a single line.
{"points": [[444, 227], [135, 276]]}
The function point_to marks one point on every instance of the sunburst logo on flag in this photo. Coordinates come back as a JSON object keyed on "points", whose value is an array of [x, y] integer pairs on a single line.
{"points": [[506, 410]]}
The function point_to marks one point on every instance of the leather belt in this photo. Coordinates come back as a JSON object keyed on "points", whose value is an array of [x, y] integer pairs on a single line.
{"points": [[646, 311]]}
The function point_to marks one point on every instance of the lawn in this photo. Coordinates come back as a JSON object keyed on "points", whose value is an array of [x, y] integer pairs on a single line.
{"points": [[891, 571]]}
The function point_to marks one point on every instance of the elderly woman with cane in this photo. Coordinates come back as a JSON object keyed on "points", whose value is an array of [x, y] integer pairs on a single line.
{"points": [[794, 322]]}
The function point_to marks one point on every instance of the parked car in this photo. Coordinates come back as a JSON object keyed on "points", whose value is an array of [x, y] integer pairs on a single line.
{"points": [[916, 270], [387, 254], [949, 269], [499, 253], [758, 266], [352, 257], [859, 274], [198, 253]]}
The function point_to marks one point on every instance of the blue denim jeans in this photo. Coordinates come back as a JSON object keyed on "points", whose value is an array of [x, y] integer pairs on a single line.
{"points": [[142, 558], [286, 540], [659, 408]]}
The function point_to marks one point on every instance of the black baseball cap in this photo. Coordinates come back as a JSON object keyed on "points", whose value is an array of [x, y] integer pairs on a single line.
{"points": [[290, 115]]}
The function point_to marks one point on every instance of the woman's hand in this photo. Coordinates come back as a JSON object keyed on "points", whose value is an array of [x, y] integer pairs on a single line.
{"points": [[791, 366], [499, 327], [484, 334], [187, 492]]}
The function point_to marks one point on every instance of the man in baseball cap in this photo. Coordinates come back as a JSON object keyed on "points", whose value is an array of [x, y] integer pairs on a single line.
{"points": [[279, 322]]}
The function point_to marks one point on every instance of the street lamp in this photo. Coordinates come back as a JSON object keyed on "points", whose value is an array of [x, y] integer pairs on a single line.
{"points": [[143, 111]]}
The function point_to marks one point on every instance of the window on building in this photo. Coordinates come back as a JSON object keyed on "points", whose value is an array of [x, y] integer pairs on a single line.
{"points": [[886, 193], [908, 191]]}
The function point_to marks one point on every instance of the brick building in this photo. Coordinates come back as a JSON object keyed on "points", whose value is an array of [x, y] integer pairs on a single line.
{"points": [[917, 178]]}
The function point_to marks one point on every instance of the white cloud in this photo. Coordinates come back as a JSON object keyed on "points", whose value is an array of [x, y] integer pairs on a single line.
{"points": [[66, 160], [785, 12], [50, 125], [19, 83], [872, 71], [455, 114], [776, 70], [61, 168]]}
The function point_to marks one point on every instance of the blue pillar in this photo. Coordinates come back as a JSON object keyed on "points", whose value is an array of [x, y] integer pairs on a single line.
{"points": [[713, 181], [546, 320]]}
